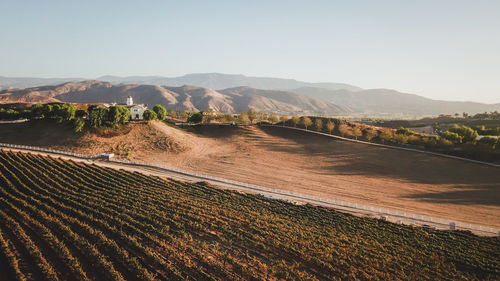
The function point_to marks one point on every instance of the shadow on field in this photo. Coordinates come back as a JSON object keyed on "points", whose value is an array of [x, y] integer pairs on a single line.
{"points": [[471, 195], [474, 183]]}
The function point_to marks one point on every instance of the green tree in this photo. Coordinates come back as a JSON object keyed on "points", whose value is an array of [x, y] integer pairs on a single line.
{"points": [[98, 116], [67, 112], [451, 136], [356, 132], [113, 116], [252, 114], [295, 120], [160, 111], [401, 138], [488, 141], [468, 134], [403, 131], [47, 110], [149, 115], [36, 111], [330, 126], [196, 118], [273, 118], [318, 124], [79, 113], [78, 124], [306, 121]]}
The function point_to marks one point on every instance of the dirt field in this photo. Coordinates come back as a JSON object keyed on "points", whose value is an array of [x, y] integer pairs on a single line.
{"points": [[307, 163]]}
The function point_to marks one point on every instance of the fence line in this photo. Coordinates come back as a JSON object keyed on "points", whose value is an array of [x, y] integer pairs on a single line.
{"points": [[384, 145], [315, 200]]}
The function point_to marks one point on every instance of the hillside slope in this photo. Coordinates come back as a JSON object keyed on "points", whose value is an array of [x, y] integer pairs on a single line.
{"points": [[61, 220], [384, 101], [192, 98], [294, 161]]}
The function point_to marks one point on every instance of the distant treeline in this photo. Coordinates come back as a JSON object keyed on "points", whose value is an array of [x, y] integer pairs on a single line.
{"points": [[458, 140]]}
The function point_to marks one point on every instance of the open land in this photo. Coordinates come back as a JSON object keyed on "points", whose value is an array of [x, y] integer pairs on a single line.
{"points": [[296, 161]]}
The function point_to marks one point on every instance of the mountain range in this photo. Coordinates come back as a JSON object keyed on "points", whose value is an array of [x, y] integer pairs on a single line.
{"points": [[192, 98], [234, 93]]}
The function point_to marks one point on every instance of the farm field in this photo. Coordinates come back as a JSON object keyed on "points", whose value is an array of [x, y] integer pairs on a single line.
{"points": [[300, 162], [64, 220]]}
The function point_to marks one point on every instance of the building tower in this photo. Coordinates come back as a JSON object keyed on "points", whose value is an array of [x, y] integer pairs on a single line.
{"points": [[130, 101]]}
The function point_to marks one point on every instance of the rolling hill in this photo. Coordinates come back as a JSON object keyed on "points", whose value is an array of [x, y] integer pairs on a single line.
{"points": [[192, 98]]}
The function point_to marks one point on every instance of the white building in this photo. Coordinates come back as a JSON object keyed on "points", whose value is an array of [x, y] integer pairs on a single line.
{"points": [[136, 110]]}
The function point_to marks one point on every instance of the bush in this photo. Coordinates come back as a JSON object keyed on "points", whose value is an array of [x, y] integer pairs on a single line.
{"points": [[78, 124], [467, 133], [401, 138], [97, 116], [149, 115], [196, 118], [488, 141], [160, 111], [451, 136]]}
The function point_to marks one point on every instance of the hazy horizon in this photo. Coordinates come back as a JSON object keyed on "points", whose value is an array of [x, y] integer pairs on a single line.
{"points": [[444, 50]]}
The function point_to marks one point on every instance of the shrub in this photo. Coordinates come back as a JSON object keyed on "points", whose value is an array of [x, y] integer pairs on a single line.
{"points": [[149, 115], [196, 118], [467, 133], [401, 138], [451, 136], [160, 111], [97, 116], [488, 141], [78, 124]]}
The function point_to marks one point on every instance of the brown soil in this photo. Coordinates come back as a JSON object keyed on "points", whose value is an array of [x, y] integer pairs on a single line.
{"points": [[306, 163]]}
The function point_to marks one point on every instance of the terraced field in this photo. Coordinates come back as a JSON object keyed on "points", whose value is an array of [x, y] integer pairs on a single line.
{"points": [[63, 220]]}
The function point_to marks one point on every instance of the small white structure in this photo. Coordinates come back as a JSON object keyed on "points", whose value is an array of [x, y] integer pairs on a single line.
{"points": [[136, 110]]}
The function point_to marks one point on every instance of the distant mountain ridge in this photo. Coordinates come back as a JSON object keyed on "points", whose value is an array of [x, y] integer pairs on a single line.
{"points": [[216, 81], [219, 81], [342, 98], [392, 102], [192, 98]]}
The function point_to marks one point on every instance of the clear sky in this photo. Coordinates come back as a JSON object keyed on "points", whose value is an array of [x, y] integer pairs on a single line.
{"points": [[436, 48]]}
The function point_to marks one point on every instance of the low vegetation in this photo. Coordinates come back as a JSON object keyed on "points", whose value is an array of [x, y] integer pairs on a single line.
{"points": [[62, 220]]}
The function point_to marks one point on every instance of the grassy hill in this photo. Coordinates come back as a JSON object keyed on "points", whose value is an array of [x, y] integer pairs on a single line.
{"points": [[61, 220]]}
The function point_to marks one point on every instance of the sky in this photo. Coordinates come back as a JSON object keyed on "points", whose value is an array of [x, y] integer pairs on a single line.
{"points": [[441, 49]]}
